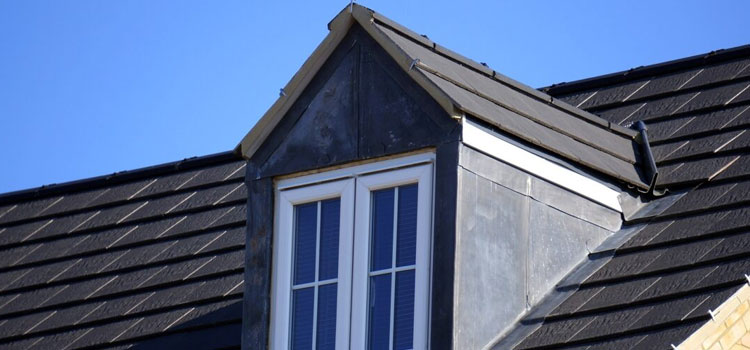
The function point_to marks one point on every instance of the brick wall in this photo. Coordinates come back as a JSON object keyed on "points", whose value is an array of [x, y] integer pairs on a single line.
{"points": [[729, 329]]}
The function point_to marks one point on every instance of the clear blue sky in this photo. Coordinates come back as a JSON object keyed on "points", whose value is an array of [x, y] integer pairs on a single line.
{"points": [[88, 88]]}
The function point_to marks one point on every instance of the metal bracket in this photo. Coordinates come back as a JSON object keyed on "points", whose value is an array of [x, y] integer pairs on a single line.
{"points": [[414, 63]]}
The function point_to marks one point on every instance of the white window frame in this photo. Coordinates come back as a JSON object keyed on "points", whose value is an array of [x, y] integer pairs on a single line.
{"points": [[283, 259], [354, 186], [422, 175]]}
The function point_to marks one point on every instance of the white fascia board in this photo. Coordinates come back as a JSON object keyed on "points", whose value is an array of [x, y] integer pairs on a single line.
{"points": [[505, 151]]}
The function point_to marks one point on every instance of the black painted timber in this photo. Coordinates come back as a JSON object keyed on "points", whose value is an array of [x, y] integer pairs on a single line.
{"points": [[258, 257], [360, 105], [444, 245]]}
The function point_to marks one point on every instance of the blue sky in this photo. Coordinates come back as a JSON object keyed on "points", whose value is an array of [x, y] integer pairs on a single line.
{"points": [[88, 88]]}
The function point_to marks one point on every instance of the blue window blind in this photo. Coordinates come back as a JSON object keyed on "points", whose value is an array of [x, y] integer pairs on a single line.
{"points": [[403, 319], [329, 239], [326, 335], [382, 229], [314, 287], [304, 243], [392, 268], [303, 304]]}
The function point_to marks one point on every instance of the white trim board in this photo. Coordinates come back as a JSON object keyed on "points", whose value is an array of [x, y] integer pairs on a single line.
{"points": [[476, 137]]}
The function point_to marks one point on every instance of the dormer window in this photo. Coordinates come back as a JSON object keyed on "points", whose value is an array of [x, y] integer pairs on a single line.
{"points": [[352, 258]]}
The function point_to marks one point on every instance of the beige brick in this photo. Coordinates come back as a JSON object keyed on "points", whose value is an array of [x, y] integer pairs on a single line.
{"points": [[726, 308], [737, 314], [744, 293], [731, 336], [714, 336], [745, 339], [693, 341], [716, 347], [738, 347]]}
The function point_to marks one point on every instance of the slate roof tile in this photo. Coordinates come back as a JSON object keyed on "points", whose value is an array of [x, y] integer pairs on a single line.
{"points": [[126, 255], [658, 286]]}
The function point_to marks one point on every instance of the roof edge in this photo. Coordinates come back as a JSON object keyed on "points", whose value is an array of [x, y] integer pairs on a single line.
{"points": [[649, 70], [118, 177], [501, 78], [338, 27]]}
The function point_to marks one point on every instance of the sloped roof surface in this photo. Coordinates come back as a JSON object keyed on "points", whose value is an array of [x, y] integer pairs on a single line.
{"points": [[148, 259], [461, 85], [657, 287]]}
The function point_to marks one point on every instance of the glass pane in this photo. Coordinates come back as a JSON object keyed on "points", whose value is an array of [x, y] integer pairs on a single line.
{"points": [[382, 229], [403, 309], [306, 220], [329, 239], [302, 318], [326, 337], [406, 250], [379, 312]]}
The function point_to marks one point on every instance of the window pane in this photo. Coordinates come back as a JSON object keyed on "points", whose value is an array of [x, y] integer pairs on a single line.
{"points": [[403, 308], [329, 239], [406, 250], [379, 312], [302, 318], [326, 337], [382, 229], [304, 242]]}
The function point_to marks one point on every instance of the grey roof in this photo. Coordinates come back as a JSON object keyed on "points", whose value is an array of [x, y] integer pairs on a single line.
{"points": [[151, 258], [677, 262], [462, 86]]}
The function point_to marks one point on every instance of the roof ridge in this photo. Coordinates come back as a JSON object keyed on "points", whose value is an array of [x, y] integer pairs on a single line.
{"points": [[118, 177], [609, 79]]}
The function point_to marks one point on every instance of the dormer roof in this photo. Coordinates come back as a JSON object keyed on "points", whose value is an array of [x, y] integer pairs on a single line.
{"points": [[463, 87]]}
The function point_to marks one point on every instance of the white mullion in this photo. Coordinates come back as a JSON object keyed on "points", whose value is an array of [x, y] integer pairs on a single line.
{"points": [[315, 284], [317, 263], [393, 266], [393, 270], [330, 281]]}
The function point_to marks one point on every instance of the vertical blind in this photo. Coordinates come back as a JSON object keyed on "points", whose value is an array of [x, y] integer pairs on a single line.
{"points": [[316, 247], [392, 268]]}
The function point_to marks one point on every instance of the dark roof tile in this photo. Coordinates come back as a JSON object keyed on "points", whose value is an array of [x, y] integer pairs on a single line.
{"points": [[658, 286], [718, 73], [125, 256]]}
